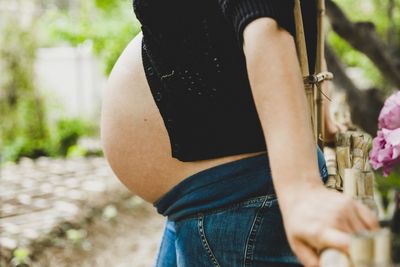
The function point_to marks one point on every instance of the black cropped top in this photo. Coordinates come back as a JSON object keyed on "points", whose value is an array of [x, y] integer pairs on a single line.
{"points": [[195, 66]]}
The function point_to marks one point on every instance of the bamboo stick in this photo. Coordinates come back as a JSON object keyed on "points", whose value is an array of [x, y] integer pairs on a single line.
{"points": [[351, 176], [368, 141], [319, 114], [320, 55], [358, 150], [343, 160], [334, 258], [367, 249], [395, 227], [365, 185], [300, 39], [345, 138], [382, 248], [362, 250], [331, 182], [303, 60], [365, 191], [309, 90], [330, 159], [343, 155]]}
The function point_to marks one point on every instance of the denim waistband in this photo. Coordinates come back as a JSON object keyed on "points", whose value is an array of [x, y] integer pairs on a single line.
{"points": [[217, 186], [221, 186]]}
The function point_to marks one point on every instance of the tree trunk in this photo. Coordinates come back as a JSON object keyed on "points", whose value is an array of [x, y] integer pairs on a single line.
{"points": [[362, 36]]}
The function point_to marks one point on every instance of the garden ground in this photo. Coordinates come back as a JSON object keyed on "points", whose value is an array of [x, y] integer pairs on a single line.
{"points": [[73, 212]]}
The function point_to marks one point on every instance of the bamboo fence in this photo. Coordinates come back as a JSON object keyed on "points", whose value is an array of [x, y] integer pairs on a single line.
{"points": [[348, 168]]}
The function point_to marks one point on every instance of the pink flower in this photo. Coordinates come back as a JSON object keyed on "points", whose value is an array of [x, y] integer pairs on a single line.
{"points": [[385, 150], [389, 117]]}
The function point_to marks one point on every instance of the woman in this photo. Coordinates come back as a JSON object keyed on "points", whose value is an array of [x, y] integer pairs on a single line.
{"points": [[190, 107]]}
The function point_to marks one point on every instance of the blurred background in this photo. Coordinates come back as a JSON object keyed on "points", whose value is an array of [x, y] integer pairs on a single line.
{"points": [[60, 203]]}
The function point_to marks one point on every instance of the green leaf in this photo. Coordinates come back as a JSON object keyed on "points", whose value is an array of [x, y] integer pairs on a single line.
{"points": [[21, 255], [110, 212], [76, 236]]}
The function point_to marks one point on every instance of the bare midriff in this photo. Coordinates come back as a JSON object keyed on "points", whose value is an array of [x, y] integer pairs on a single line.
{"points": [[134, 137]]}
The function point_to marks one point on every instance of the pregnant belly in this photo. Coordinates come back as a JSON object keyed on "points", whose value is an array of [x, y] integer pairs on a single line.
{"points": [[134, 138]]}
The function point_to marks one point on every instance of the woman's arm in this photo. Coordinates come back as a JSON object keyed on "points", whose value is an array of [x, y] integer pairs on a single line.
{"points": [[314, 217]]}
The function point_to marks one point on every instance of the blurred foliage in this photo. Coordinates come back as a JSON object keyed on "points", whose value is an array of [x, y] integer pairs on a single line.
{"points": [[354, 58], [61, 142], [76, 236], [108, 25], [387, 27], [67, 134], [79, 238], [75, 151], [375, 11], [21, 257], [385, 184], [24, 129], [22, 113], [110, 212]]}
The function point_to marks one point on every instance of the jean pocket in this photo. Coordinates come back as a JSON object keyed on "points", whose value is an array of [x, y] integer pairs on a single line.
{"points": [[268, 244], [249, 234], [228, 235]]}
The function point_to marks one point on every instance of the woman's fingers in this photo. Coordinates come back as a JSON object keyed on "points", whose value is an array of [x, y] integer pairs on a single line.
{"points": [[306, 255], [325, 220], [343, 224], [333, 238], [367, 216], [326, 237], [356, 222]]}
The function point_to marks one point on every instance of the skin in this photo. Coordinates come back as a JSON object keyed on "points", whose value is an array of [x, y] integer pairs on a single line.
{"points": [[134, 138], [137, 147], [314, 217]]}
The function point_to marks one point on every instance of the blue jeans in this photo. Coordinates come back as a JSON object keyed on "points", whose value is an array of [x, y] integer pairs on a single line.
{"points": [[246, 232]]}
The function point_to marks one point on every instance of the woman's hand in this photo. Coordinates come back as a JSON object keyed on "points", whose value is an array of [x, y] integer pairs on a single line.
{"points": [[314, 217], [317, 218]]}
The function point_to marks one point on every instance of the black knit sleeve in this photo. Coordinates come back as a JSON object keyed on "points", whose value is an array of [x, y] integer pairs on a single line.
{"points": [[240, 13]]}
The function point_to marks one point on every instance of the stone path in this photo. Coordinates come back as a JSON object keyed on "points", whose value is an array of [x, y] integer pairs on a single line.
{"points": [[38, 196]]}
